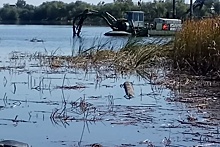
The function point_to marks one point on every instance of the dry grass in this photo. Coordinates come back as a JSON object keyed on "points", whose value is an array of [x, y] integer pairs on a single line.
{"points": [[132, 57], [197, 47]]}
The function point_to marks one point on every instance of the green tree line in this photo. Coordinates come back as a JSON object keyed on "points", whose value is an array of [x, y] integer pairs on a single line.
{"points": [[58, 11]]}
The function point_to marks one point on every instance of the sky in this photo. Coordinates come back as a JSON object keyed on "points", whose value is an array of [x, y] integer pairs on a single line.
{"points": [[38, 2]]}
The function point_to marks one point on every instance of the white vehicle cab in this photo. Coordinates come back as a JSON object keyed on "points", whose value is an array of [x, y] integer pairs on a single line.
{"points": [[165, 27]]}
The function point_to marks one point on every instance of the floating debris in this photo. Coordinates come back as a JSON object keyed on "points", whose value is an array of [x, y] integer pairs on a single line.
{"points": [[147, 142], [206, 145], [129, 89], [166, 141], [36, 40], [13, 143], [71, 87], [96, 145]]}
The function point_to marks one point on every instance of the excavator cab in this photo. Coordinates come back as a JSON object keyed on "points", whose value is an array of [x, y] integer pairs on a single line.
{"points": [[136, 17]]}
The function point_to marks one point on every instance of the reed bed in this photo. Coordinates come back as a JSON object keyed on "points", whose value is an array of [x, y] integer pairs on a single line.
{"points": [[197, 46], [132, 57]]}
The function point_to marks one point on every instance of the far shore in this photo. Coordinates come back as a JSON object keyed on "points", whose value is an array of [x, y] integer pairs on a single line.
{"points": [[47, 23]]}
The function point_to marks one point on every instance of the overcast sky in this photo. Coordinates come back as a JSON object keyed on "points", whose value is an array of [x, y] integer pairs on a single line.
{"points": [[38, 2]]}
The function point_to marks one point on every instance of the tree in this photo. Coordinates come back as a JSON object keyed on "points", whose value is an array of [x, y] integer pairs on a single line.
{"points": [[216, 6], [8, 13], [20, 3], [26, 15], [60, 11]]}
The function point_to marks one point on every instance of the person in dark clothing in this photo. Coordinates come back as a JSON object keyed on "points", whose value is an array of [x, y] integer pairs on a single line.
{"points": [[196, 4]]}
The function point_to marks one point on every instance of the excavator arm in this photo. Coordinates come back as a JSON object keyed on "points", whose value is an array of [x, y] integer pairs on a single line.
{"points": [[196, 4], [79, 19]]}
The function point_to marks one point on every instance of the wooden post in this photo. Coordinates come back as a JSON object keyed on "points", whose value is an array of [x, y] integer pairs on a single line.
{"points": [[191, 9], [174, 8], [74, 30]]}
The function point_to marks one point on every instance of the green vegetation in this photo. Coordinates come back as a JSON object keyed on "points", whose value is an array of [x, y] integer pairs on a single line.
{"points": [[60, 12]]}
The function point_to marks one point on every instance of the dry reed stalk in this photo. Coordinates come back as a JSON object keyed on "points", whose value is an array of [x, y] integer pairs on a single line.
{"points": [[197, 46]]}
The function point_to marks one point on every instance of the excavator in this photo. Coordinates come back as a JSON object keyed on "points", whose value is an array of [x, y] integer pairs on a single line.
{"points": [[123, 25], [133, 23]]}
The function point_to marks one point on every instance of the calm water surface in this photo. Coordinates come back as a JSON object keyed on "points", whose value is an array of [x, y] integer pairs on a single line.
{"points": [[30, 95], [56, 38]]}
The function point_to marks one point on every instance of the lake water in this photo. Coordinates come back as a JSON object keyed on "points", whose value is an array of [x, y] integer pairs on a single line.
{"points": [[58, 38], [16, 37], [31, 98]]}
